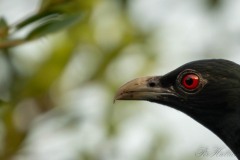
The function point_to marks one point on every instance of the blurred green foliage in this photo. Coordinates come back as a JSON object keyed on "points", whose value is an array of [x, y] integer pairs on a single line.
{"points": [[100, 32]]}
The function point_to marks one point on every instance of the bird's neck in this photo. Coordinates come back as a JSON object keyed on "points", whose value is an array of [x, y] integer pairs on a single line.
{"points": [[229, 130], [223, 120]]}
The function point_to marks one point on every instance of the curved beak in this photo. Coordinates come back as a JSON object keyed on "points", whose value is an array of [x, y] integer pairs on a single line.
{"points": [[144, 88]]}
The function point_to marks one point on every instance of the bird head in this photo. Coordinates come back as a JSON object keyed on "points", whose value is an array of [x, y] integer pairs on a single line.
{"points": [[206, 90]]}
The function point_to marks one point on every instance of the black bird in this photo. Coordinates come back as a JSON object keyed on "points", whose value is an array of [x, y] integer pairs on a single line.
{"points": [[206, 90]]}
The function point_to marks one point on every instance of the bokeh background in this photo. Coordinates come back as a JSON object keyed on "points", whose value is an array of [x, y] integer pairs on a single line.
{"points": [[61, 62]]}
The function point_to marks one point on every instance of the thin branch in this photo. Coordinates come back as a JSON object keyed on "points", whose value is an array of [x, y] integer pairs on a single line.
{"points": [[12, 43]]}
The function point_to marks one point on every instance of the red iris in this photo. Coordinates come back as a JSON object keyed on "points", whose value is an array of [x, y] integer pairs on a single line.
{"points": [[190, 81]]}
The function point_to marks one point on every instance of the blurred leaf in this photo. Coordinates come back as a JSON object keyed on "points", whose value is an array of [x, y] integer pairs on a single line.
{"points": [[41, 81], [55, 24], [34, 18], [3, 22], [67, 6], [46, 4], [51, 7], [13, 137], [213, 4], [49, 22], [3, 28], [123, 3]]}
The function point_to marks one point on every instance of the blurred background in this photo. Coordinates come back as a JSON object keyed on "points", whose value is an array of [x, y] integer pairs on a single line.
{"points": [[61, 62]]}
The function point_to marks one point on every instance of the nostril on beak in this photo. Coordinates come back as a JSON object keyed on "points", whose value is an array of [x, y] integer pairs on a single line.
{"points": [[152, 84]]}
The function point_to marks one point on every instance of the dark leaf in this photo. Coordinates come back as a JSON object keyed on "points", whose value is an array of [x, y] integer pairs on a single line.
{"points": [[55, 24], [34, 18], [3, 28], [49, 4]]}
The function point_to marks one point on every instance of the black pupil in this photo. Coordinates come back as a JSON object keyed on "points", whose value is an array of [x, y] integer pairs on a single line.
{"points": [[189, 81]]}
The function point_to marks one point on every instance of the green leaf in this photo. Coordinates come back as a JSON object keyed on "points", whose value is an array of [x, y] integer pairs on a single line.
{"points": [[40, 82], [3, 22], [3, 28], [34, 18], [53, 25], [58, 5]]}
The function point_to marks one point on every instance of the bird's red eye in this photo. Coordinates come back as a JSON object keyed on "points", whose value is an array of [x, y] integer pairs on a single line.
{"points": [[190, 81]]}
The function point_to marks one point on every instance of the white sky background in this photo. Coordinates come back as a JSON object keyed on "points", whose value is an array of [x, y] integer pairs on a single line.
{"points": [[185, 33]]}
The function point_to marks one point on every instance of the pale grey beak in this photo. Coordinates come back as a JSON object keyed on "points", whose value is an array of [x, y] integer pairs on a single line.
{"points": [[144, 88]]}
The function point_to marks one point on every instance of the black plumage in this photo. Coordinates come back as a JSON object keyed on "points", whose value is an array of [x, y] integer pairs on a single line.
{"points": [[206, 90]]}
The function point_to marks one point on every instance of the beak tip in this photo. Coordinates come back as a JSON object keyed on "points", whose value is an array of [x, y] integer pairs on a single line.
{"points": [[114, 100], [117, 97], [129, 89]]}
